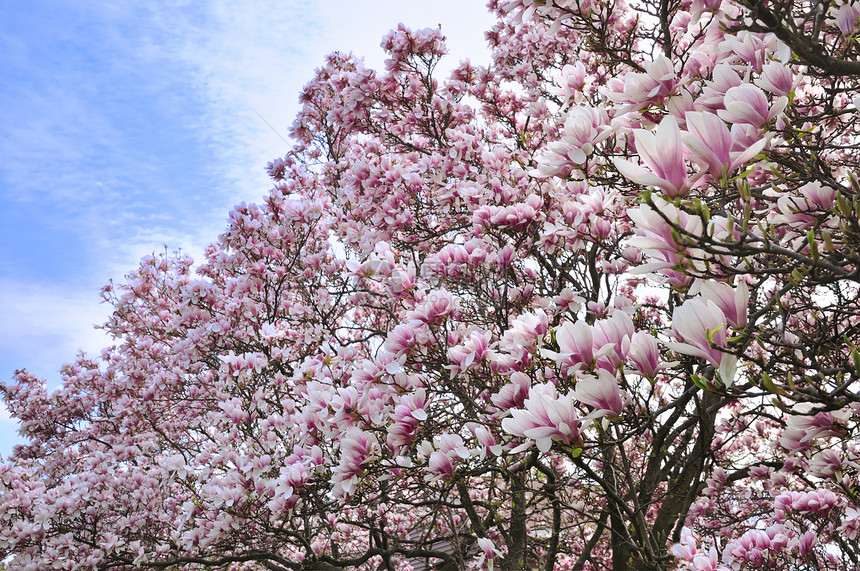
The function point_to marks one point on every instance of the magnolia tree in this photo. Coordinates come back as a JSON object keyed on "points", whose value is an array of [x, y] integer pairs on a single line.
{"points": [[594, 306]]}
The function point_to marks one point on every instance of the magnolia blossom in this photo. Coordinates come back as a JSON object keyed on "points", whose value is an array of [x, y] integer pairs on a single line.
{"points": [[701, 326], [573, 80], [600, 391], [825, 463], [777, 78], [408, 415], [645, 354], [443, 454], [659, 240], [546, 418], [488, 552], [757, 548], [603, 345], [723, 78], [638, 90], [584, 128], [664, 154], [806, 425], [514, 393], [801, 212], [614, 330], [732, 302], [820, 502], [358, 448], [848, 18], [747, 103], [710, 142], [471, 352], [575, 344]]}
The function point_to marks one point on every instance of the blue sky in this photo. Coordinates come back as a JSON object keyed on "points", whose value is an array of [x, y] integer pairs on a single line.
{"points": [[127, 127]]}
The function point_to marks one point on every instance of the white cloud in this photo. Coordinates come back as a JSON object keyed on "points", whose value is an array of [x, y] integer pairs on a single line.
{"points": [[46, 325], [8, 428]]}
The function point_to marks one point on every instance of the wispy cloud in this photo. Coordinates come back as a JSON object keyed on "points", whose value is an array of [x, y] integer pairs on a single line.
{"points": [[45, 326], [133, 126]]}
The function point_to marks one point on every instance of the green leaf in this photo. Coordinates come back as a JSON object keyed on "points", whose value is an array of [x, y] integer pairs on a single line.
{"points": [[699, 381], [768, 384], [813, 247]]}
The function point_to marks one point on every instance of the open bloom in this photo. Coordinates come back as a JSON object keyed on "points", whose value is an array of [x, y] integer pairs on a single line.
{"points": [[664, 154], [848, 18], [547, 417], [710, 143], [645, 354], [701, 325], [575, 342], [601, 392], [488, 552], [358, 448], [777, 78], [660, 241], [639, 90], [733, 302], [611, 340], [748, 104], [584, 128]]}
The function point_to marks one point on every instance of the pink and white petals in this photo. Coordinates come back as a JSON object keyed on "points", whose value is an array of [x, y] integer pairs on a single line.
{"points": [[601, 392], [663, 153], [700, 326], [546, 417]]}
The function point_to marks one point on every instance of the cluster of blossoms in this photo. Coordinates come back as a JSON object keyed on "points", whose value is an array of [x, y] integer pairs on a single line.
{"points": [[591, 306]]}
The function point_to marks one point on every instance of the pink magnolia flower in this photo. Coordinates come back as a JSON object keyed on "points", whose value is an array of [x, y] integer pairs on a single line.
{"points": [[803, 427], [710, 143], [848, 18], [487, 440], [777, 78], [584, 128], [524, 336], [664, 154], [806, 542], [440, 466], [445, 451], [575, 344], [600, 391], [573, 77], [488, 552], [756, 548], [547, 417], [748, 48], [819, 502], [799, 211], [732, 302], [408, 414], [513, 394], [657, 238], [611, 340], [645, 354], [685, 549], [357, 449], [850, 525], [701, 325], [818, 196], [472, 351], [713, 95], [747, 103], [639, 90], [825, 464]]}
